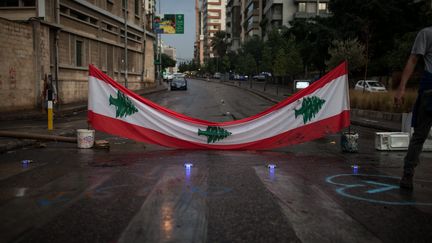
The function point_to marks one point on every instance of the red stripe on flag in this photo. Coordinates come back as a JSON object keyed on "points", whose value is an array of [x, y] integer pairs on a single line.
{"points": [[295, 136], [332, 75]]}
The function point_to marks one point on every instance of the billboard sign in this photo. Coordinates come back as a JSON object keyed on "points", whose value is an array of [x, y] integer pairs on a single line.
{"points": [[169, 24]]}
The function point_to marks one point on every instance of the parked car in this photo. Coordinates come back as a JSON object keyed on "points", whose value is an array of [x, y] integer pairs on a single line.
{"points": [[260, 77], [178, 83], [240, 77], [217, 75], [370, 86]]}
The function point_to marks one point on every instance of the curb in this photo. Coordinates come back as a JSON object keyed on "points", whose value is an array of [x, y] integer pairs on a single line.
{"points": [[21, 143], [374, 126]]}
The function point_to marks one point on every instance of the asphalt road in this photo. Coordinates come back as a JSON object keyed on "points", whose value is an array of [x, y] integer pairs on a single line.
{"points": [[137, 192]]}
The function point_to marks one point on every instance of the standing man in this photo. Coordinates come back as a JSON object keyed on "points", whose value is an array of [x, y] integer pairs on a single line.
{"points": [[422, 111]]}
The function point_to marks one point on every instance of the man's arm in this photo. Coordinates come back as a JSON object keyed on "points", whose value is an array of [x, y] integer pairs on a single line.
{"points": [[406, 74]]}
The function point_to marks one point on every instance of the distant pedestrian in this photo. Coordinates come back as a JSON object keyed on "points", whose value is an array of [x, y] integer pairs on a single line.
{"points": [[422, 111]]}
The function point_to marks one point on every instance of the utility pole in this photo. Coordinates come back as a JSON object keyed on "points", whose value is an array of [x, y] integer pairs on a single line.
{"points": [[159, 50], [125, 42]]}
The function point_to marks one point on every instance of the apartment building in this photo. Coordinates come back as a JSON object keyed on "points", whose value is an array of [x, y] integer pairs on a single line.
{"points": [[214, 19], [199, 34], [50, 43], [260, 17], [233, 24], [250, 19]]}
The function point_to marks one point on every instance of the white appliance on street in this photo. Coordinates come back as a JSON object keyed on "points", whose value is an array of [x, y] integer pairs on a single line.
{"points": [[400, 140], [391, 140]]}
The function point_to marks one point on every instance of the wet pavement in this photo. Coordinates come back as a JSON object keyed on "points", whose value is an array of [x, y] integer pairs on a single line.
{"points": [[136, 192]]}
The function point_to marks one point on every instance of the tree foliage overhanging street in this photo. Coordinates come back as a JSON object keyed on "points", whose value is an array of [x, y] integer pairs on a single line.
{"points": [[367, 33]]}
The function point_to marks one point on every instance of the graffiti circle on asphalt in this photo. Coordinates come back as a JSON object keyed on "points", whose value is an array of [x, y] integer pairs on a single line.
{"points": [[381, 189]]}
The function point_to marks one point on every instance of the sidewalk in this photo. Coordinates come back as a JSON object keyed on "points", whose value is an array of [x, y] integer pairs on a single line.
{"points": [[35, 121]]}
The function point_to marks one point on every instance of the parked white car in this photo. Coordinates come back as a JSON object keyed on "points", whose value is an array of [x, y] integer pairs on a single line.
{"points": [[370, 86]]}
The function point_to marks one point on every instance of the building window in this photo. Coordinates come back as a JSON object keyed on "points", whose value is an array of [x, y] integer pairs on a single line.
{"points": [[28, 3], [302, 7], [322, 7], [278, 9], [78, 15], [137, 5], [9, 3], [78, 51], [124, 4], [17, 3]]}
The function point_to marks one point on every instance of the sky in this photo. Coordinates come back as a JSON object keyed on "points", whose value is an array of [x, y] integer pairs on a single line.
{"points": [[182, 42]]}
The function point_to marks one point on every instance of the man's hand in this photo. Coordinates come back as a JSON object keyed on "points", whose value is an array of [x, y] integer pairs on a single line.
{"points": [[399, 98]]}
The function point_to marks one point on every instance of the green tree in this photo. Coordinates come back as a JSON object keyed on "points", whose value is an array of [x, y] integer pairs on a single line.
{"points": [[397, 57], [313, 39], [267, 59], [253, 47], [294, 63], [351, 50], [280, 64], [219, 44], [376, 24], [250, 65], [240, 65], [225, 64], [167, 61]]}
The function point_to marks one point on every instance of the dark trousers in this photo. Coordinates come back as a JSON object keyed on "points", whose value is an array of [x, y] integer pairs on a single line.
{"points": [[421, 131]]}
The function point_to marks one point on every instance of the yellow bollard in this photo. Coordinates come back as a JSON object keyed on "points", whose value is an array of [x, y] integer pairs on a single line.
{"points": [[50, 115]]}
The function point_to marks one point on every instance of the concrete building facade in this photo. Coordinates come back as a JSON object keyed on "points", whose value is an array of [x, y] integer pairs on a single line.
{"points": [[277, 13], [260, 17], [233, 24], [199, 34], [50, 43], [250, 19], [214, 20]]}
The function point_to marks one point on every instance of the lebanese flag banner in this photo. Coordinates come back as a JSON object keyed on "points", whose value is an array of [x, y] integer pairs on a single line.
{"points": [[320, 109]]}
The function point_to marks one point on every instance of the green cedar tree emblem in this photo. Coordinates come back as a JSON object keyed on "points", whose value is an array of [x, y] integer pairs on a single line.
{"points": [[214, 134], [123, 105], [310, 107]]}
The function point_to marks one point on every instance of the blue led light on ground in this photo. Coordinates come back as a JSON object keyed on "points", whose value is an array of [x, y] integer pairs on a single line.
{"points": [[271, 166], [355, 169], [188, 165]]}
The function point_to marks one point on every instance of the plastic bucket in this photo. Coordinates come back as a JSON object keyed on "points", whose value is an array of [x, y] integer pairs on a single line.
{"points": [[85, 138]]}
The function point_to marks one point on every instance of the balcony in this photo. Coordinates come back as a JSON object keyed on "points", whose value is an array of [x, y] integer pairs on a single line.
{"points": [[275, 16], [274, 13], [249, 2], [311, 1], [305, 15], [270, 4], [254, 12]]}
